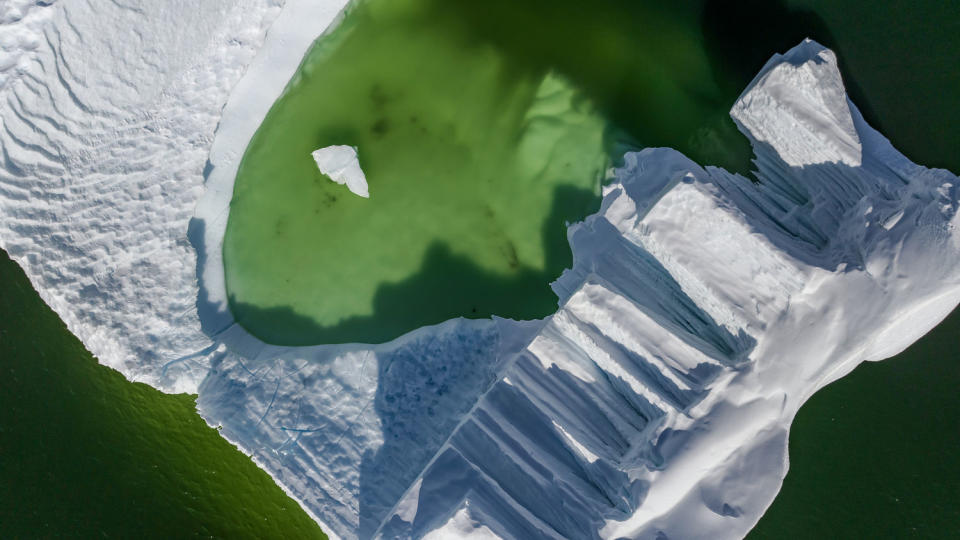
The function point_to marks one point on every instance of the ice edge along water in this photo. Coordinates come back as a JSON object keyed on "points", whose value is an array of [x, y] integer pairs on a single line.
{"points": [[701, 311]]}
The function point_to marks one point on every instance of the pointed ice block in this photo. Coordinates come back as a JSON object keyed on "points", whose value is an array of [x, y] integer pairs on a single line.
{"points": [[340, 163]]}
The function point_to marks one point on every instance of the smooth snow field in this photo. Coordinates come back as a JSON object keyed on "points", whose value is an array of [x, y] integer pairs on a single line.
{"points": [[700, 310]]}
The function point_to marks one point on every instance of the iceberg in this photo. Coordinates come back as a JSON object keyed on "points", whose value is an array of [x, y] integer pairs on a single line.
{"points": [[340, 163], [702, 309]]}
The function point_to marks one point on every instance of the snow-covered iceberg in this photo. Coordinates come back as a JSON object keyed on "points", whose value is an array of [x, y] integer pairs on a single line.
{"points": [[701, 311]]}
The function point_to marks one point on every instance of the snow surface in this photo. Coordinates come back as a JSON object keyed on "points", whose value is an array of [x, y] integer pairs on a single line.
{"points": [[340, 163], [106, 122], [20, 33], [701, 311]]}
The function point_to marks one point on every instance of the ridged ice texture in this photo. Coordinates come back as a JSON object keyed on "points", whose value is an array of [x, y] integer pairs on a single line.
{"points": [[701, 311], [107, 111]]}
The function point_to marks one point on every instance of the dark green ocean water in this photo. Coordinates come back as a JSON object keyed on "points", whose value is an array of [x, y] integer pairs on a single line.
{"points": [[86, 454], [83, 453]]}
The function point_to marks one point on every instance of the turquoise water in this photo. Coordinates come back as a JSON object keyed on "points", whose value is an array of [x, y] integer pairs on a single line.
{"points": [[85, 453]]}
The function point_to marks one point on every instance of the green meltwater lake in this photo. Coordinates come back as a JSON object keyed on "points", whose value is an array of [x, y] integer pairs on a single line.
{"points": [[483, 130]]}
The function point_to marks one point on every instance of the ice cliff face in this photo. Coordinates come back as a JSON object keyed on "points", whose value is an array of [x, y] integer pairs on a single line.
{"points": [[702, 309]]}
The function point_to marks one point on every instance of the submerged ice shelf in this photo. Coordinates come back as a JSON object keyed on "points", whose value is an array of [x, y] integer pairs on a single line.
{"points": [[701, 311]]}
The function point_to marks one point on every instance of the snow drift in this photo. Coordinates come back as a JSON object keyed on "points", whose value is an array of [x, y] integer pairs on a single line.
{"points": [[701, 311]]}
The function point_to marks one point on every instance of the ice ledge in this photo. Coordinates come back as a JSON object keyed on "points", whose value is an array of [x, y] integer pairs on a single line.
{"points": [[701, 312]]}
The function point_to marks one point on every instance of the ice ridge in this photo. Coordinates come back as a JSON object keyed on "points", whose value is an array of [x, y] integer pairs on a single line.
{"points": [[103, 140]]}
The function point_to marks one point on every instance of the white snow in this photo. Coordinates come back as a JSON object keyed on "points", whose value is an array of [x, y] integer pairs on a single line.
{"points": [[340, 163], [21, 23], [106, 120], [461, 525], [701, 311]]}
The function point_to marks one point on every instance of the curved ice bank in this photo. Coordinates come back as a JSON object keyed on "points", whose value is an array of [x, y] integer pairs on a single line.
{"points": [[701, 311]]}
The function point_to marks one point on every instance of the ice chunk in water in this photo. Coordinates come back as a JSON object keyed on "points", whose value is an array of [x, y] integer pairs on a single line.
{"points": [[340, 163]]}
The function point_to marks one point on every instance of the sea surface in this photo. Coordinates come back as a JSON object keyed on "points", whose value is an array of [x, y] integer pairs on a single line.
{"points": [[85, 453]]}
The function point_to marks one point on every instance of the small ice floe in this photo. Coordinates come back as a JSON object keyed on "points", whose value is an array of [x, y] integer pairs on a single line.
{"points": [[340, 163]]}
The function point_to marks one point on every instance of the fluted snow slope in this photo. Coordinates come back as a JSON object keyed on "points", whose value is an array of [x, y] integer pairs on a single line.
{"points": [[702, 309]]}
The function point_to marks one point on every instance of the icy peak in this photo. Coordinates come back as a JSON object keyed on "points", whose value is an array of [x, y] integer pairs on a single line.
{"points": [[340, 163], [798, 105]]}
